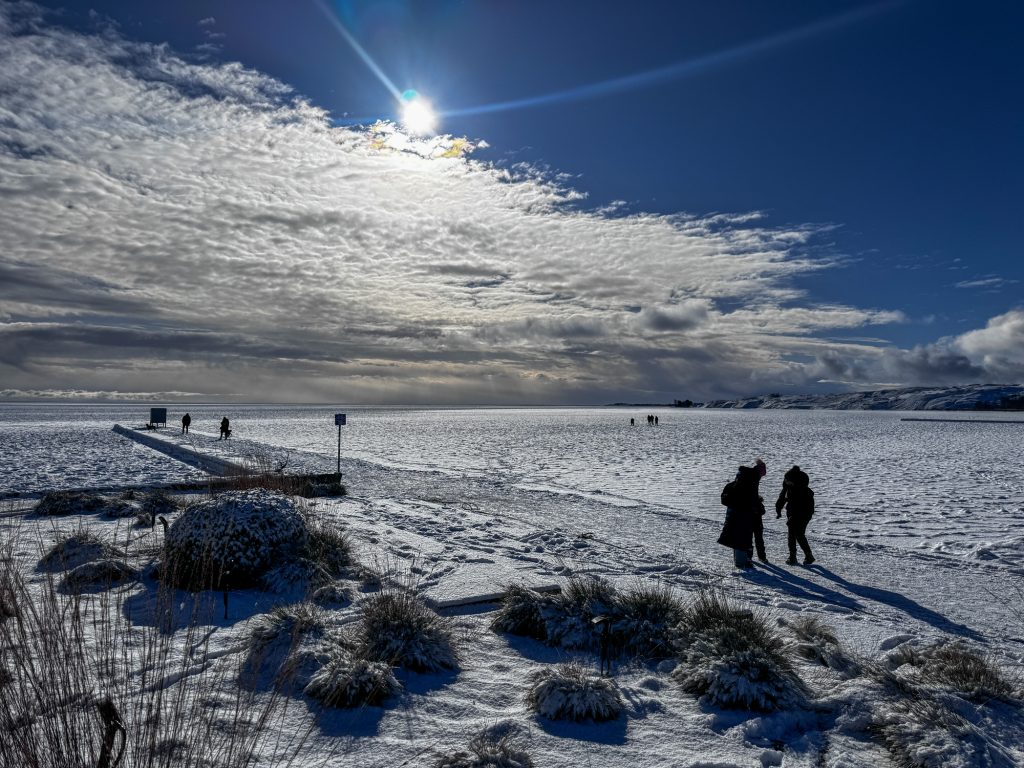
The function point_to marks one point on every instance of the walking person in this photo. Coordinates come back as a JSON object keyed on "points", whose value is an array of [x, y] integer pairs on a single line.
{"points": [[743, 506], [186, 421], [225, 429], [762, 470], [798, 499]]}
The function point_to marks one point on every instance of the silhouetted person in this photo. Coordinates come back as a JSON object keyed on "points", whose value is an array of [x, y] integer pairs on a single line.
{"points": [[798, 498], [655, 421], [631, 422], [743, 507], [186, 421], [762, 470], [225, 429]]}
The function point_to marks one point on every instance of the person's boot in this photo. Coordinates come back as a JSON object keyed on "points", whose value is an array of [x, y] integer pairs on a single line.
{"points": [[791, 560], [809, 559]]}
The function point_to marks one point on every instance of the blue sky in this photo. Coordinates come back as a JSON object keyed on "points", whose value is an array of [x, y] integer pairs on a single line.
{"points": [[888, 131]]}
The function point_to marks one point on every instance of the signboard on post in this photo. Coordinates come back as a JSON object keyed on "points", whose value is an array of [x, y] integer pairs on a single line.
{"points": [[339, 419]]}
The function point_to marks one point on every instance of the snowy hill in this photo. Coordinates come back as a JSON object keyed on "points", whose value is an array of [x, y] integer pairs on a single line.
{"points": [[971, 397]]}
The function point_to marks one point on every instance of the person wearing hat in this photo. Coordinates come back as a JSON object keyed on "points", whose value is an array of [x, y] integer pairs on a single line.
{"points": [[798, 499]]}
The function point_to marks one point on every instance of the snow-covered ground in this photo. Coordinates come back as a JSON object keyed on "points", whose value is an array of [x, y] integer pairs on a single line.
{"points": [[919, 535]]}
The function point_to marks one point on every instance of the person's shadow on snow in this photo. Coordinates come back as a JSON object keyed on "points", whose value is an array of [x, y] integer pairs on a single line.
{"points": [[805, 589], [900, 602]]}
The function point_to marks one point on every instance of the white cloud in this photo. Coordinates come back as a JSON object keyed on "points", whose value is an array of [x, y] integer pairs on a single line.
{"points": [[168, 225]]}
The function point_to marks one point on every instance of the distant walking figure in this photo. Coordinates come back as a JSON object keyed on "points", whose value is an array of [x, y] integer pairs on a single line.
{"points": [[631, 422], [798, 499], [655, 421], [186, 420], [225, 429], [743, 506]]}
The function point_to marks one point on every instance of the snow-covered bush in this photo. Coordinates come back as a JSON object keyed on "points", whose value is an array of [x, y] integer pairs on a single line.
{"points": [[333, 593], [568, 617], [520, 613], [231, 540], [817, 642], [311, 490], [488, 751], [396, 627], [118, 508], [955, 666], [329, 546], [104, 573], [573, 692], [290, 621], [69, 503], [279, 655], [926, 732], [647, 616], [734, 656], [77, 549], [348, 681]]}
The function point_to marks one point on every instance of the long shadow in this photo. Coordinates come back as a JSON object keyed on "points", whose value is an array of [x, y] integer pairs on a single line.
{"points": [[901, 602], [805, 589], [610, 732]]}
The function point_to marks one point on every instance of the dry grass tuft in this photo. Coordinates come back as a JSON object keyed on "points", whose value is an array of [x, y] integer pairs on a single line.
{"points": [[573, 692], [397, 628], [734, 657], [488, 751]]}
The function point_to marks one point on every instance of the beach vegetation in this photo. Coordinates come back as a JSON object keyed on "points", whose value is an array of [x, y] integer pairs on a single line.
{"points": [[398, 628], [346, 680], [486, 750], [573, 691], [734, 657]]}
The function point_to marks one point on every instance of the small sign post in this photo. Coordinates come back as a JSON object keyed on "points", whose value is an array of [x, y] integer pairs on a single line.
{"points": [[339, 419]]}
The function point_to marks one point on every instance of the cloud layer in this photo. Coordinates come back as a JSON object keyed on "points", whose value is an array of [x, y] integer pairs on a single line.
{"points": [[172, 225]]}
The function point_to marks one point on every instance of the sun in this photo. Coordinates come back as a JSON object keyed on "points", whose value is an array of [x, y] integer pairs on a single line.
{"points": [[417, 115]]}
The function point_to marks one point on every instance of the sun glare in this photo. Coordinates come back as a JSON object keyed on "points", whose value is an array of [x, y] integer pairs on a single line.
{"points": [[418, 116]]}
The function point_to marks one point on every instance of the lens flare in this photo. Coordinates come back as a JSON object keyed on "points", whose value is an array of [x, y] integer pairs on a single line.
{"points": [[417, 115]]}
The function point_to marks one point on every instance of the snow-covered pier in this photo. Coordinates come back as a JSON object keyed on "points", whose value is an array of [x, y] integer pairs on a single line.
{"points": [[205, 462]]}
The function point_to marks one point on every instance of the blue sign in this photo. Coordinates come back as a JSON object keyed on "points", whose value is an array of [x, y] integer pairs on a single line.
{"points": [[339, 419]]}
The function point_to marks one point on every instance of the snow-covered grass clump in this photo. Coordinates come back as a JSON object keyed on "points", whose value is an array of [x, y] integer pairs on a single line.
{"points": [[573, 692], [956, 667], [488, 751], [818, 642], [396, 627], [927, 732], [569, 615], [346, 680], [641, 619], [520, 613], [154, 504], [735, 658], [101, 573], [646, 620], [79, 548], [231, 540], [59, 503]]}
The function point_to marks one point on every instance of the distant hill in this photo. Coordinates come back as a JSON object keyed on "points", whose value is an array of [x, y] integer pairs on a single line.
{"points": [[966, 398]]}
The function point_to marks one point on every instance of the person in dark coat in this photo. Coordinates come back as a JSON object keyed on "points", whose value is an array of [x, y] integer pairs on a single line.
{"points": [[743, 507], [225, 428], [186, 420], [762, 470], [798, 499]]}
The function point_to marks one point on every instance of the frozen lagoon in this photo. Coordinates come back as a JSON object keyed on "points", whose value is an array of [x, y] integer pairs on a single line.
{"points": [[955, 488], [917, 537]]}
